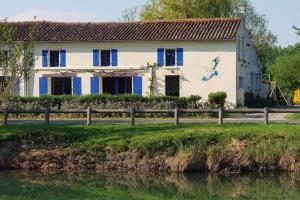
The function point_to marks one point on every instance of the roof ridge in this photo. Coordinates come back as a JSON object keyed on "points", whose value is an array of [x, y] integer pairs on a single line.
{"points": [[222, 19]]}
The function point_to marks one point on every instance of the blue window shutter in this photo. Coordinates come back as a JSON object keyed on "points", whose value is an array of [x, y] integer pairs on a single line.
{"points": [[45, 58], [180, 57], [96, 57], [77, 86], [43, 86], [95, 85], [138, 86], [160, 57], [63, 58], [116, 86], [114, 57]]}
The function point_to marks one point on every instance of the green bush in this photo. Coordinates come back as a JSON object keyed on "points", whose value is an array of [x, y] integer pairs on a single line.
{"points": [[256, 101], [217, 99]]}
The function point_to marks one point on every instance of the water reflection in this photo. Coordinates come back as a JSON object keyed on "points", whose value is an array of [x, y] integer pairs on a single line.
{"points": [[131, 186]]}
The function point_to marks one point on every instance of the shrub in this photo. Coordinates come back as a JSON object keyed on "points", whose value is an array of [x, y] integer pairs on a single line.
{"points": [[296, 97], [217, 99], [256, 101]]}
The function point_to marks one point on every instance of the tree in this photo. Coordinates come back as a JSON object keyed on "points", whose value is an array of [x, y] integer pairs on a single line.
{"points": [[286, 70], [130, 14], [16, 60], [179, 9], [263, 39]]}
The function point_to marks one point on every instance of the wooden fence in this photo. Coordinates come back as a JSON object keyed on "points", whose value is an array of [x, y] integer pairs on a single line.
{"points": [[132, 112]]}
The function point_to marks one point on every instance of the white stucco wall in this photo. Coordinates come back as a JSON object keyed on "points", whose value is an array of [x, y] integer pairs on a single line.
{"points": [[198, 60]]}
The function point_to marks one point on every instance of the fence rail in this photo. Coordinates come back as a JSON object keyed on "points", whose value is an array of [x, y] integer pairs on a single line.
{"points": [[132, 112]]}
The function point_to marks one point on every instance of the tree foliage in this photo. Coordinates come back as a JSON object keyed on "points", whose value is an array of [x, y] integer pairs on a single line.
{"points": [[178, 9], [286, 69], [16, 59]]}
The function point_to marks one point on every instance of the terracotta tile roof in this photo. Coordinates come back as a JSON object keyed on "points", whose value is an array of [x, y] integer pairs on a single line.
{"points": [[189, 30]]}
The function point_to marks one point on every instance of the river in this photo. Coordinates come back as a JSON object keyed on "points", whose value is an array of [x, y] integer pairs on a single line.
{"points": [[29, 185]]}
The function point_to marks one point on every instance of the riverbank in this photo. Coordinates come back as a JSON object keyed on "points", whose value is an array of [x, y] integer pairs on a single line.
{"points": [[229, 148]]}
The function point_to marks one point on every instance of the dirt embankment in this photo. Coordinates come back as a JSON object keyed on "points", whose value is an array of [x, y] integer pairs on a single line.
{"points": [[228, 159]]}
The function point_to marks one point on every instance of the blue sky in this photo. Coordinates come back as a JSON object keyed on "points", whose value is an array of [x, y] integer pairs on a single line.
{"points": [[282, 15]]}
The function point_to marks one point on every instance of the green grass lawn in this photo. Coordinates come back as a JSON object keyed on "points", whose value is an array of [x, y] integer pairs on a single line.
{"points": [[274, 139]]}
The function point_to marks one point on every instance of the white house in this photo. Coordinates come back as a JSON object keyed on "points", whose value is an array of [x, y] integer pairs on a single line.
{"points": [[192, 57]]}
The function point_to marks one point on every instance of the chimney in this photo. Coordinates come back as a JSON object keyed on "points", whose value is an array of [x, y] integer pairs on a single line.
{"points": [[34, 18], [242, 11]]}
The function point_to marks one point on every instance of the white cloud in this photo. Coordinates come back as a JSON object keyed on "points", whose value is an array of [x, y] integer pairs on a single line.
{"points": [[49, 15]]}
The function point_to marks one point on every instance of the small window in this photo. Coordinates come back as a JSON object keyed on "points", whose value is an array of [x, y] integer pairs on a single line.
{"points": [[170, 57], [173, 86], [54, 58], [241, 82], [105, 58]]}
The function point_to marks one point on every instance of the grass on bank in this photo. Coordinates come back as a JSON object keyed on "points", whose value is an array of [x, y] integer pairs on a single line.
{"points": [[267, 141]]}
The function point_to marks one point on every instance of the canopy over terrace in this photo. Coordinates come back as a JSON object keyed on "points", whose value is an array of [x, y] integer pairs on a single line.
{"points": [[98, 73]]}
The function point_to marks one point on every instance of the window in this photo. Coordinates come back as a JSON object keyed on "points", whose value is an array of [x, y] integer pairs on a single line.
{"points": [[61, 86], [117, 85], [256, 82], [105, 58], [54, 58], [241, 44], [170, 57], [241, 82], [173, 86]]}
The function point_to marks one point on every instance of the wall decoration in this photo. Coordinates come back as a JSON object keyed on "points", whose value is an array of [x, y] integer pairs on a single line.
{"points": [[212, 72]]}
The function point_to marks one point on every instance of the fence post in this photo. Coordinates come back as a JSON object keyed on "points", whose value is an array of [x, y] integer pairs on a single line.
{"points": [[5, 117], [221, 113], [88, 116], [132, 116], [47, 118], [266, 115], [176, 117]]}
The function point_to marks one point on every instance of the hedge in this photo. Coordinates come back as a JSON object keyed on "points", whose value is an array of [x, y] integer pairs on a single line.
{"points": [[100, 102]]}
